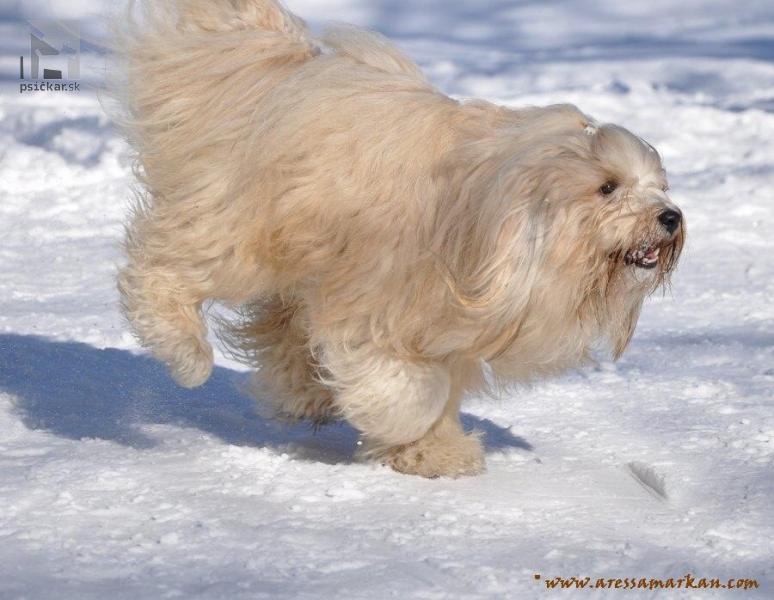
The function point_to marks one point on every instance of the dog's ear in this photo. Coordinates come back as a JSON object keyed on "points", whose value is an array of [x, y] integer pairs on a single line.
{"points": [[488, 241], [472, 218]]}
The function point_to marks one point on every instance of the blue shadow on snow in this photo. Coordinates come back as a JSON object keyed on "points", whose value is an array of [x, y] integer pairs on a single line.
{"points": [[78, 391]]}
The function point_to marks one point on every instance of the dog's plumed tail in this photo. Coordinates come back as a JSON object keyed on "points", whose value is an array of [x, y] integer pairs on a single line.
{"points": [[187, 60], [372, 49], [236, 15]]}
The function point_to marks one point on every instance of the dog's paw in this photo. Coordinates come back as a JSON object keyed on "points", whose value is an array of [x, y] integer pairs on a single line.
{"points": [[317, 410], [437, 456], [193, 367]]}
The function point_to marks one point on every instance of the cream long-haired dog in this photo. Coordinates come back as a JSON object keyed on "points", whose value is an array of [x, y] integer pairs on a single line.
{"points": [[382, 241]]}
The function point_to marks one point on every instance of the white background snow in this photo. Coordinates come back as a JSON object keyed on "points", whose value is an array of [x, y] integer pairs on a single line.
{"points": [[116, 483]]}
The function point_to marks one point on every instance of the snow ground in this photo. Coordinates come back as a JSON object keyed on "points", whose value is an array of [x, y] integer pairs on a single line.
{"points": [[114, 482]]}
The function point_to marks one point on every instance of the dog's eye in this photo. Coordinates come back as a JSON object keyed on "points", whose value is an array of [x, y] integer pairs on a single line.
{"points": [[665, 188], [608, 188]]}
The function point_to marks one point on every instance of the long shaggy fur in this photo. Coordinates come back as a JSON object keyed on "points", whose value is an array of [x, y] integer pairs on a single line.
{"points": [[381, 240]]}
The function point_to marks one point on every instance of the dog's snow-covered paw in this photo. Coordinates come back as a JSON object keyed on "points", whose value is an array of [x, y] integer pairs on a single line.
{"points": [[437, 456]]}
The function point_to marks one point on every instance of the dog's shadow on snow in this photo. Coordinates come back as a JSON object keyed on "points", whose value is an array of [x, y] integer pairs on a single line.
{"points": [[77, 391]]}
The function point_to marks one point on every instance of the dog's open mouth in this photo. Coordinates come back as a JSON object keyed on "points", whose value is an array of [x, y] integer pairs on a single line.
{"points": [[644, 257]]}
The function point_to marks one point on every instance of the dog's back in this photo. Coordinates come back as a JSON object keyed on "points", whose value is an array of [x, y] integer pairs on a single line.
{"points": [[197, 69]]}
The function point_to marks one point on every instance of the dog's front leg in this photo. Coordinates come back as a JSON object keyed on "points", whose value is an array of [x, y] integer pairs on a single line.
{"points": [[444, 451], [406, 410]]}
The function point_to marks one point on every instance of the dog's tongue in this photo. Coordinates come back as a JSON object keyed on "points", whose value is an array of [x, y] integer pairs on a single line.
{"points": [[651, 256]]}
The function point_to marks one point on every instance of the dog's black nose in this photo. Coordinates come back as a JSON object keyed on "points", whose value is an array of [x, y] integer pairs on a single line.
{"points": [[670, 219]]}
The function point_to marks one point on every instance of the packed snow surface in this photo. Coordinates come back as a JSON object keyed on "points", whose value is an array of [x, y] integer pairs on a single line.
{"points": [[115, 483]]}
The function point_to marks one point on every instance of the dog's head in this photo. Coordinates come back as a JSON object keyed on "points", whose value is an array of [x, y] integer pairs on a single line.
{"points": [[566, 218], [611, 225], [624, 204]]}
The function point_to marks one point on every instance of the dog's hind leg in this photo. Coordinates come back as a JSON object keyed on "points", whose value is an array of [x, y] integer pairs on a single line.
{"points": [[273, 336], [162, 290]]}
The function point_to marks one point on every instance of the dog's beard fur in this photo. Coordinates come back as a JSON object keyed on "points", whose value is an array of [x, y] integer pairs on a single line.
{"points": [[382, 240]]}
